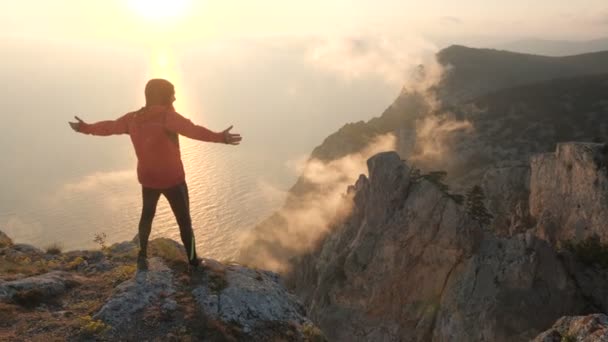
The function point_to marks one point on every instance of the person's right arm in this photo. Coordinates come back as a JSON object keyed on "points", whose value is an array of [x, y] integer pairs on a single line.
{"points": [[103, 128]]}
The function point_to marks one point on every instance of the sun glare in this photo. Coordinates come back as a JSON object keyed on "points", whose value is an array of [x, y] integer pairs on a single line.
{"points": [[159, 9]]}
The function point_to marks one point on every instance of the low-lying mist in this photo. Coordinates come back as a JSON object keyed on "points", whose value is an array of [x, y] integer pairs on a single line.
{"points": [[304, 220]]}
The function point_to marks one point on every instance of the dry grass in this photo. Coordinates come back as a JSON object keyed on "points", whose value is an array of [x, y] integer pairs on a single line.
{"points": [[54, 248]]}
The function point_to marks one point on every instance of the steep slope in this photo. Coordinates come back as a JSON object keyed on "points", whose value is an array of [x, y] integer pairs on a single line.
{"points": [[410, 264]]}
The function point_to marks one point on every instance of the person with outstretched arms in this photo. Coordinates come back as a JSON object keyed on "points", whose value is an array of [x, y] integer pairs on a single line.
{"points": [[154, 130]]}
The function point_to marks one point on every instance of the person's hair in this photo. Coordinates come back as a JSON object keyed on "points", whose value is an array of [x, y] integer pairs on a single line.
{"points": [[159, 92]]}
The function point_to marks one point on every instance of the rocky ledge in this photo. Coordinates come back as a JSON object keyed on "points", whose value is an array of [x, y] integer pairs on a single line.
{"points": [[99, 295]]}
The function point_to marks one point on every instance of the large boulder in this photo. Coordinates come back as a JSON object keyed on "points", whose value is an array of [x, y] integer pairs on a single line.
{"points": [[252, 301], [40, 288], [591, 328], [136, 294]]}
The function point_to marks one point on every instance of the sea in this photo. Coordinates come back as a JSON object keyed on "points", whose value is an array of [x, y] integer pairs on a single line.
{"points": [[61, 187]]}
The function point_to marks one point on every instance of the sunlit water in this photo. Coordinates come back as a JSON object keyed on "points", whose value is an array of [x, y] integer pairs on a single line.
{"points": [[61, 187]]}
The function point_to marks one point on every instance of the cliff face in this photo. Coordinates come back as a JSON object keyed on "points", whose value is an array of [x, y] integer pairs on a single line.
{"points": [[569, 192], [382, 273], [410, 264]]}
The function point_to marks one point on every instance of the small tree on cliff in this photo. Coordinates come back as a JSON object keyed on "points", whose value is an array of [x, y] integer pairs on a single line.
{"points": [[475, 207]]}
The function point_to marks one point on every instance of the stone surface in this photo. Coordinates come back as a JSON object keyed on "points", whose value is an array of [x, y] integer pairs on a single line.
{"points": [[569, 192], [591, 328], [507, 189], [247, 298], [136, 294], [46, 285]]}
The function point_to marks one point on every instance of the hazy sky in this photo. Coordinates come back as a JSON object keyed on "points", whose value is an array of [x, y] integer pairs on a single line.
{"points": [[131, 22], [285, 73]]}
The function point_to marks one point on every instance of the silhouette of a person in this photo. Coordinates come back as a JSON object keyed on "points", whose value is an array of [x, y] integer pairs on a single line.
{"points": [[154, 131]]}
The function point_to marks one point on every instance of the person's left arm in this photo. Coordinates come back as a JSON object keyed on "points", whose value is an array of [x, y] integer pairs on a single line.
{"points": [[180, 125]]}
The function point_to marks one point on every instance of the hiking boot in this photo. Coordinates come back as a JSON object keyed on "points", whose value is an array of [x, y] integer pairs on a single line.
{"points": [[142, 262], [195, 265]]}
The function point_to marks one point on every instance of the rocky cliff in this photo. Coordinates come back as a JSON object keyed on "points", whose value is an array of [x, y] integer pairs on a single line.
{"points": [[410, 263]]}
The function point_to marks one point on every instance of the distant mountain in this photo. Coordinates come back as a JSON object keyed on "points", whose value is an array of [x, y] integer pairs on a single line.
{"points": [[474, 72], [555, 47]]}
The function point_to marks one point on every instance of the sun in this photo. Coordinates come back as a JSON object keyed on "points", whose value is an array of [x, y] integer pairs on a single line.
{"points": [[159, 9]]}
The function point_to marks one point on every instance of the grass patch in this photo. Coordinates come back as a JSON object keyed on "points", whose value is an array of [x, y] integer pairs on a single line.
{"points": [[123, 273], [167, 249], [72, 265], [312, 333], [24, 266], [217, 281], [568, 338], [92, 328], [88, 306]]}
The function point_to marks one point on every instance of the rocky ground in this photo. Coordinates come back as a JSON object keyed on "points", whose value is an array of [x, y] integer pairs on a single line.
{"points": [[99, 295]]}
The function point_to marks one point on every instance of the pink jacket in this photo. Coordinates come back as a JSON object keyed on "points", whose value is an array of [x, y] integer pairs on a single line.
{"points": [[154, 133]]}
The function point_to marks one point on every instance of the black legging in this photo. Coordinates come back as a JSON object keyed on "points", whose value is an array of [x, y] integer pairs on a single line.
{"points": [[180, 204]]}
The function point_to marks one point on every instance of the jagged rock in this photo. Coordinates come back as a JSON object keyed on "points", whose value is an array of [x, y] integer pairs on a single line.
{"points": [[591, 328], [409, 264], [5, 241], [45, 286], [507, 189], [154, 285], [253, 300], [380, 275], [569, 192]]}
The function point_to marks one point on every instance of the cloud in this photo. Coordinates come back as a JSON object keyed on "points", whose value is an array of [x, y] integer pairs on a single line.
{"points": [[432, 133], [296, 228], [106, 189], [450, 20], [353, 57]]}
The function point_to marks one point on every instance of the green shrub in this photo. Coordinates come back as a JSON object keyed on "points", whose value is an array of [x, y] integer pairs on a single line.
{"points": [[475, 206], [54, 249]]}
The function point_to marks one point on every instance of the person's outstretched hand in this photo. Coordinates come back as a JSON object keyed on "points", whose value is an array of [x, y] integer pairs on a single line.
{"points": [[231, 138], [76, 125]]}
